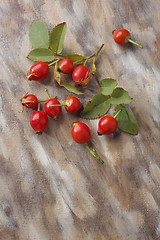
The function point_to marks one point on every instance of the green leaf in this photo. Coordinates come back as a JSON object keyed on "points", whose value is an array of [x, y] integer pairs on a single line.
{"points": [[57, 38], [126, 121], [41, 54], [120, 96], [56, 74], [38, 35], [75, 58], [71, 88], [97, 107], [107, 86]]}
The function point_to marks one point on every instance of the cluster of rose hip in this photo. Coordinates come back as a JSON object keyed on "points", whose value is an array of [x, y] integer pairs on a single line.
{"points": [[81, 77], [52, 107]]}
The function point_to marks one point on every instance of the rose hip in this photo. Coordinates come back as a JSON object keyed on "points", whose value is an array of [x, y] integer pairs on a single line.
{"points": [[53, 112], [66, 66], [29, 101], [122, 37], [107, 125], [81, 76], [39, 121], [81, 133], [38, 71]]}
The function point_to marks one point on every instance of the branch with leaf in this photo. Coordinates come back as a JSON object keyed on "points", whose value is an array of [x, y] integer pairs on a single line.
{"points": [[100, 104], [48, 48]]}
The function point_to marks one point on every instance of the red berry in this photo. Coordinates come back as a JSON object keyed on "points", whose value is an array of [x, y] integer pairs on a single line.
{"points": [[39, 121], [29, 101], [81, 75], [66, 66], [107, 125], [121, 36], [38, 72], [53, 112], [73, 105], [81, 133]]}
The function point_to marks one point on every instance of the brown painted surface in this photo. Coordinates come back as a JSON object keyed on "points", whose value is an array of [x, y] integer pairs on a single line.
{"points": [[50, 187]]}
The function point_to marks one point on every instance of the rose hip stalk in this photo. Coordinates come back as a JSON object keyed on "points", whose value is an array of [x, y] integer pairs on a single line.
{"points": [[81, 134], [123, 36]]}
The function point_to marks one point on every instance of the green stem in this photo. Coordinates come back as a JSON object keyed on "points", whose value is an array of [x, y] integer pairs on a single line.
{"points": [[99, 49], [94, 153], [93, 55], [131, 41], [78, 62], [117, 113], [85, 62], [42, 101], [46, 90], [52, 63], [58, 105]]}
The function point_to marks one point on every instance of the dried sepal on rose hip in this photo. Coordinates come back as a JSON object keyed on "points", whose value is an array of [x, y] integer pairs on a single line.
{"points": [[38, 71], [123, 36], [71, 104], [39, 120], [81, 76], [81, 134], [29, 101], [66, 66]]}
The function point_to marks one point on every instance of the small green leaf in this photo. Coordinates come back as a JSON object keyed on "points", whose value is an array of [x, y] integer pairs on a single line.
{"points": [[71, 88], [97, 107], [75, 57], [126, 121], [107, 86], [56, 74], [57, 38], [41, 54], [38, 35], [120, 96]]}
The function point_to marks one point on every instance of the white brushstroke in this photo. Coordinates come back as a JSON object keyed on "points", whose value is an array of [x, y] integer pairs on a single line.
{"points": [[64, 218], [35, 233], [1, 103], [3, 123], [40, 152]]}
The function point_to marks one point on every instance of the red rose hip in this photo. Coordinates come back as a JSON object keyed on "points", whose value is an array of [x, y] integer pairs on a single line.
{"points": [[53, 112], [66, 66], [81, 76], [80, 133], [122, 37], [107, 125], [38, 71], [39, 121], [73, 105], [29, 101]]}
